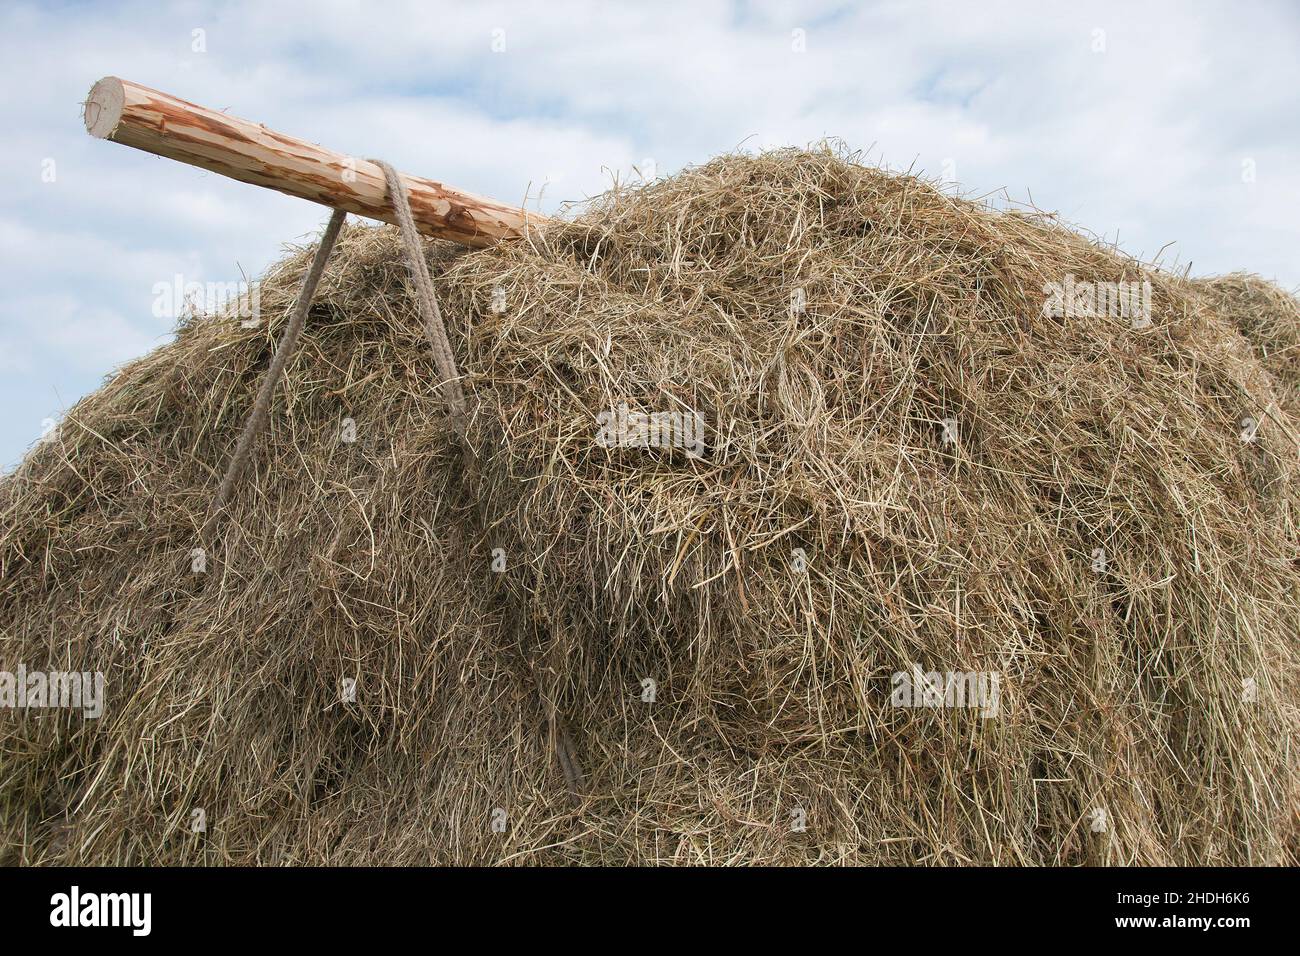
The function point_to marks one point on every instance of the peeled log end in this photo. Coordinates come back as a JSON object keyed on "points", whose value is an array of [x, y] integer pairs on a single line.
{"points": [[124, 112], [104, 105]]}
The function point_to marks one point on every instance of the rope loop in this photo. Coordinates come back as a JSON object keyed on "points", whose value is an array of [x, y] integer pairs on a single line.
{"points": [[434, 327]]}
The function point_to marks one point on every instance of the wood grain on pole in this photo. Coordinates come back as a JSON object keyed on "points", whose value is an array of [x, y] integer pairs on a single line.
{"points": [[164, 125]]}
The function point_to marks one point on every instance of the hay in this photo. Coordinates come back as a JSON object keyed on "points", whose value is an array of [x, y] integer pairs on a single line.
{"points": [[1122, 735], [1269, 318]]}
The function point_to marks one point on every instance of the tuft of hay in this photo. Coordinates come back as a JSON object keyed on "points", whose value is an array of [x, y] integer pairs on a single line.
{"points": [[1269, 318], [909, 464]]}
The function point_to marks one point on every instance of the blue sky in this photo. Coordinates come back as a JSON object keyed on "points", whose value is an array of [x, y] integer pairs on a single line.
{"points": [[1148, 123]]}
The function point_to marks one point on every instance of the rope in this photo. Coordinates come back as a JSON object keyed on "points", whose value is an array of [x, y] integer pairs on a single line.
{"points": [[262, 406], [434, 328], [436, 331]]}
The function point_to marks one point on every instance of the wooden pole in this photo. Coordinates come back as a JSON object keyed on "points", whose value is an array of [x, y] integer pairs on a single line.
{"points": [[158, 123]]}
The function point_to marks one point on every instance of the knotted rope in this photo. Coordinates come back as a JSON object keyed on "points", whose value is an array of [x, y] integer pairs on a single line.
{"points": [[453, 394]]}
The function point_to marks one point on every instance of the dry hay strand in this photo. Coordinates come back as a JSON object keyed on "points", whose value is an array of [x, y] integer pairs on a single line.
{"points": [[1269, 318], [908, 464]]}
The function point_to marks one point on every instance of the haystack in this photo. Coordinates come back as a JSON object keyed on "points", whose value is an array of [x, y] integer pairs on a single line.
{"points": [[913, 464]]}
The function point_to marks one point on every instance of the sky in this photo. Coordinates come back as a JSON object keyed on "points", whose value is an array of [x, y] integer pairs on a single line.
{"points": [[1168, 128]]}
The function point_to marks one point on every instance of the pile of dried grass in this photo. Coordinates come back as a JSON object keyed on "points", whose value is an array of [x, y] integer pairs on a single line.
{"points": [[1089, 525]]}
